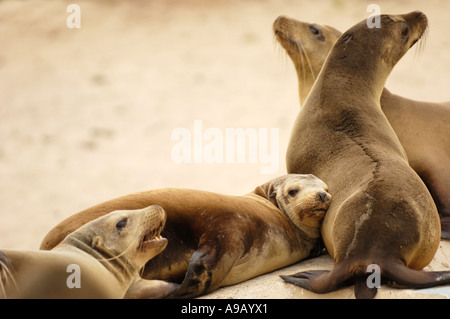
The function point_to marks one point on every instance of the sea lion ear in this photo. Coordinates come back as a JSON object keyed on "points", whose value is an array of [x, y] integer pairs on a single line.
{"points": [[96, 241], [344, 39], [273, 197]]}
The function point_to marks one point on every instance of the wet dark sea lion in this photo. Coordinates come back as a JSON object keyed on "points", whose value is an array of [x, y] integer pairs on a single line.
{"points": [[422, 127], [382, 213], [218, 240]]}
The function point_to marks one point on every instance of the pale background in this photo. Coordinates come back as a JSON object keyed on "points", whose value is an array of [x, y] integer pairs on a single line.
{"points": [[86, 114]]}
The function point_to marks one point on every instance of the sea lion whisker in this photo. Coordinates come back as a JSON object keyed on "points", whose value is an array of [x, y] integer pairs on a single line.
{"points": [[3, 281], [281, 52], [105, 250], [422, 41], [7, 280], [304, 75], [308, 60]]}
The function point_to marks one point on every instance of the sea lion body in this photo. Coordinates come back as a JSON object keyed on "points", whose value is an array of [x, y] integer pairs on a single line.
{"points": [[216, 240], [381, 213], [421, 127], [37, 269], [106, 259]]}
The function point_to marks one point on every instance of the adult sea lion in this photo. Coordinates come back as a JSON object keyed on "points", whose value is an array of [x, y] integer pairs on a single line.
{"points": [[107, 254], [422, 127], [218, 240], [382, 213]]}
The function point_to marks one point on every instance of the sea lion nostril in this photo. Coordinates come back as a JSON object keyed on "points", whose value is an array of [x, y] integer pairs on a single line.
{"points": [[323, 196]]}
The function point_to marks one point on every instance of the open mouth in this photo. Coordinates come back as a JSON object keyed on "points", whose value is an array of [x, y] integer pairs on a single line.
{"points": [[153, 236]]}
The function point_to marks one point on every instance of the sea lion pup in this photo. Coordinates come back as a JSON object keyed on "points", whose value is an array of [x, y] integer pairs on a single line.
{"points": [[106, 254], [218, 240], [382, 213], [421, 127]]}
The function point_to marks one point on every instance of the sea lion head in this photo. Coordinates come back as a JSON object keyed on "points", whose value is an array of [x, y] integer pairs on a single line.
{"points": [[373, 51], [303, 198], [130, 234], [308, 45]]}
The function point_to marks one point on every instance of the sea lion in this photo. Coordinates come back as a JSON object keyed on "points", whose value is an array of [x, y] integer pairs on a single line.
{"points": [[421, 127], [218, 240], [382, 213], [107, 254]]}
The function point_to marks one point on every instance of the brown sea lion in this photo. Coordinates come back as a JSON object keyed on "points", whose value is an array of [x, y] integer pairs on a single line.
{"points": [[422, 127], [218, 240], [382, 213], [106, 254]]}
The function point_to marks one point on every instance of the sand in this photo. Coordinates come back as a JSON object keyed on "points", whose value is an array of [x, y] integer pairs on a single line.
{"points": [[88, 114]]}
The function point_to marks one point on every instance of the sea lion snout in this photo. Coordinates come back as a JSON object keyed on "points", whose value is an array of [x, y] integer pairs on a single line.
{"points": [[418, 22], [417, 16], [280, 23], [324, 197]]}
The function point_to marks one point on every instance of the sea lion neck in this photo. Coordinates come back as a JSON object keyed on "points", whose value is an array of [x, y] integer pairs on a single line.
{"points": [[304, 87], [348, 91], [351, 75], [118, 265]]}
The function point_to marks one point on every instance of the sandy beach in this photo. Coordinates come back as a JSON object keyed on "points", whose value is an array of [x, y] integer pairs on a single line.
{"points": [[92, 113]]}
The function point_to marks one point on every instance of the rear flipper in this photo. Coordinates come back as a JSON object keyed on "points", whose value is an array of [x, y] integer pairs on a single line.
{"points": [[404, 277], [323, 281]]}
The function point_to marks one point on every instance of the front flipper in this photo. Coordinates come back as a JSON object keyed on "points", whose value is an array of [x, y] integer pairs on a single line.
{"points": [[208, 267], [149, 289]]}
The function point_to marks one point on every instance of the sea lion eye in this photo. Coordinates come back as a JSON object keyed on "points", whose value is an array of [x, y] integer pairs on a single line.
{"points": [[313, 30], [293, 192], [405, 32], [121, 224]]}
